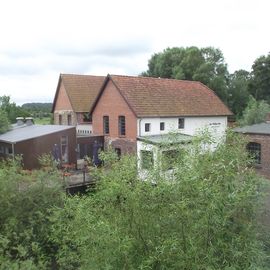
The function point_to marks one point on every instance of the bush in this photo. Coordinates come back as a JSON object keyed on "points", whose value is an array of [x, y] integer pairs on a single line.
{"points": [[204, 219]]}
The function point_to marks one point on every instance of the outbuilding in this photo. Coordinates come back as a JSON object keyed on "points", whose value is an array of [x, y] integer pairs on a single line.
{"points": [[32, 141], [258, 145]]}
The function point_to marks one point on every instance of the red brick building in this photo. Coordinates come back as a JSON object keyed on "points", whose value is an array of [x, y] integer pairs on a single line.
{"points": [[74, 98], [129, 107], [258, 138]]}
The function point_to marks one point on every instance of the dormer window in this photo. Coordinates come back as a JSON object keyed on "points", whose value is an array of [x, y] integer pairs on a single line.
{"points": [[181, 123]]}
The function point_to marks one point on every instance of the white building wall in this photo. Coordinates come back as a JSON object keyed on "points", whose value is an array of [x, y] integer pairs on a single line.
{"points": [[215, 124], [84, 130]]}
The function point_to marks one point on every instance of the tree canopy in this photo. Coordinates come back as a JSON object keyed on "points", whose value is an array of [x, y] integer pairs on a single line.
{"points": [[255, 112], [11, 109], [206, 65], [4, 123], [260, 78]]}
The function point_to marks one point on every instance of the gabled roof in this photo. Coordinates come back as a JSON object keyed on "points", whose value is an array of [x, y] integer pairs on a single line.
{"points": [[155, 97], [82, 90], [262, 128], [29, 132]]}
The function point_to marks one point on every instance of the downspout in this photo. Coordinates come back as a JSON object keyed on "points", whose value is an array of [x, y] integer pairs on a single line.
{"points": [[140, 127], [13, 151]]}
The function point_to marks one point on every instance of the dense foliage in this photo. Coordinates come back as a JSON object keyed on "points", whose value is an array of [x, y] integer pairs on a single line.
{"points": [[260, 78], [26, 202], [4, 123], [204, 217], [38, 109], [11, 109], [255, 112]]}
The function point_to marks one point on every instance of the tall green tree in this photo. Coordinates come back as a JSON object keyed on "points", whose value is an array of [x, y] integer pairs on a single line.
{"points": [[4, 123], [260, 78], [206, 65], [12, 110], [238, 91]]}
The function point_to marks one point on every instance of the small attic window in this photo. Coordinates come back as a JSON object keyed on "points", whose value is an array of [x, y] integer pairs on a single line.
{"points": [[87, 117]]}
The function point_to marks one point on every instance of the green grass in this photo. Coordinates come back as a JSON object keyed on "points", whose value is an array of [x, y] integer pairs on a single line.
{"points": [[42, 121]]}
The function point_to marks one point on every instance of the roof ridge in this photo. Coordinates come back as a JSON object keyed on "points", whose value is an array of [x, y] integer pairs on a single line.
{"points": [[82, 75], [155, 78]]}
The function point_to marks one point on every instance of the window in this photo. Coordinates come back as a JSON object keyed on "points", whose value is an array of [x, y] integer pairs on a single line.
{"points": [[181, 123], [64, 149], [147, 127], [87, 117], [162, 126], [69, 119], [122, 125], [169, 159], [147, 160], [106, 125], [60, 119], [254, 150]]}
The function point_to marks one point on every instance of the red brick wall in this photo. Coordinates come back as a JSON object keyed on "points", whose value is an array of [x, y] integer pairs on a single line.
{"points": [[63, 107], [264, 140], [62, 102], [112, 104]]}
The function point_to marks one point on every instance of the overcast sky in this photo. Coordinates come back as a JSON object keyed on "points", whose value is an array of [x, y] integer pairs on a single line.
{"points": [[41, 39]]}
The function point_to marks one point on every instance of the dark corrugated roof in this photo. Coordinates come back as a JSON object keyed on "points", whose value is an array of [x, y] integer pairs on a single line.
{"points": [[29, 132], [82, 90], [168, 97], [262, 128]]}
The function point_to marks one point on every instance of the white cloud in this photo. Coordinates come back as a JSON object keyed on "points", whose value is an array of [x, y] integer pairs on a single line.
{"points": [[40, 39]]}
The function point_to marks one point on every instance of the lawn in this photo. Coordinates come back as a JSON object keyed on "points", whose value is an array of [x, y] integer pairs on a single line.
{"points": [[42, 121]]}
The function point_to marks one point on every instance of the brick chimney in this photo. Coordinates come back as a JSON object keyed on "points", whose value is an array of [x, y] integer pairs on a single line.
{"points": [[20, 121], [29, 121], [267, 119]]}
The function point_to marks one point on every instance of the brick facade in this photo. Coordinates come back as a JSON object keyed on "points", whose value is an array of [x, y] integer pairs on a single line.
{"points": [[63, 107], [112, 104], [264, 141]]}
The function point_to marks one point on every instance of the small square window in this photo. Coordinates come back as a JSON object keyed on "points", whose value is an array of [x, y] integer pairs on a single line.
{"points": [[181, 123], [147, 127], [162, 126]]}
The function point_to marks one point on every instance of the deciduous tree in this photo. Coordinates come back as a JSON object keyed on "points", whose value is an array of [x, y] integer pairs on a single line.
{"points": [[260, 78], [206, 65]]}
